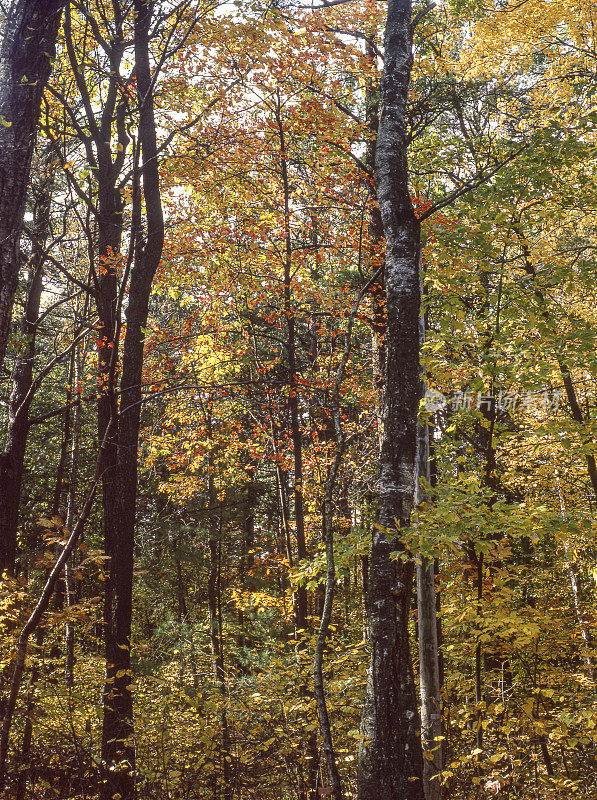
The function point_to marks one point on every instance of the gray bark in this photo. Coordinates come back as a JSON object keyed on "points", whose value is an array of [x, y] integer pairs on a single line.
{"points": [[390, 756], [429, 679], [431, 719], [429, 674]]}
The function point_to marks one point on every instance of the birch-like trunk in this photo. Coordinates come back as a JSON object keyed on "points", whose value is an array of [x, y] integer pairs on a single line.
{"points": [[429, 678], [390, 756]]}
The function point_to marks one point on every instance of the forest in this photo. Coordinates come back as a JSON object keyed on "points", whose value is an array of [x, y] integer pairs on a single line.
{"points": [[298, 399]]}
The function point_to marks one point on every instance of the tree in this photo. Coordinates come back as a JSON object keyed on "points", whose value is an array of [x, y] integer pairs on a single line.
{"points": [[390, 755]]}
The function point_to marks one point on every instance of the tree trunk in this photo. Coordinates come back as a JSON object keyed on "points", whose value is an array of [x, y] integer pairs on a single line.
{"points": [[429, 678], [247, 559], [38, 612], [13, 458], [293, 396], [376, 244], [71, 593], [26, 55], [118, 750], [577, 598], [326, 616], [301, 606], [390, 757], [217, 656]]}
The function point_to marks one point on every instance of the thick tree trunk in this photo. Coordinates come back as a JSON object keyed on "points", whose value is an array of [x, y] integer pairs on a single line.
{"points": [[26, 54], [390, 756], [117, 748]]}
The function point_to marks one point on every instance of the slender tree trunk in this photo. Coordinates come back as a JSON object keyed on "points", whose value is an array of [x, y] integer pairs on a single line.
{"points": [[25, 771], [246, 560], [431, 717], [328, 540], [37, 614], [390, 763], [217, 656], [375, 233], [13, 458], [58, 503], [429, 678], [118, 728], [365, 569], [429, 673], [326, 616], [23, 384], [577, 596], [293, 396], [301, 607], [69, 642], [58, 596], [479, 653], [23, 389], [26, 55]]}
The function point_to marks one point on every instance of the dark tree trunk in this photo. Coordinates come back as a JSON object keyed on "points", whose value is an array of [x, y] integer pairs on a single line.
{"points": [[117, 747], [36, 615], [246, 560], [117, 744], [26, 54], [117, 776], [13, 458], [293, 395], [308, 791], [73, 584], [390, 757], [217, 654]]}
